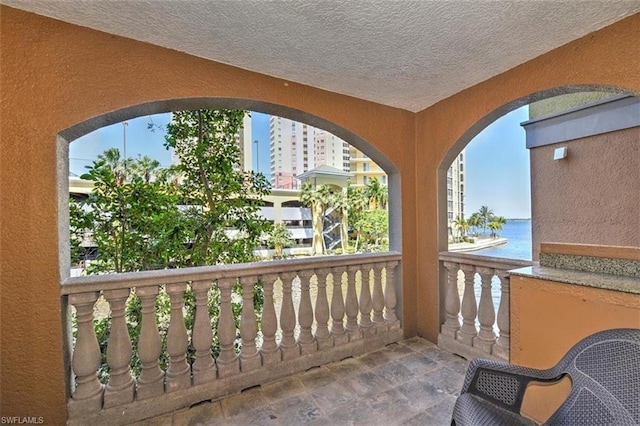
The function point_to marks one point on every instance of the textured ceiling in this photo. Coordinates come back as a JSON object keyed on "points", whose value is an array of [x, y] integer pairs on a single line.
{"points": [[407, 54]]}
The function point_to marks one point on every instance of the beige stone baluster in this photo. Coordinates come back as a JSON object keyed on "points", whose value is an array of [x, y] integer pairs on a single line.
{"points": [[322, 310], [87, 396], [120, 389], [249, 356], [390, 298], [502, 347], [269, 351], [204, 369], [377, 299], [338, 333], [486, 312], [178, 374], [366, 326], [288, 344], [305, 314], [228, 363], [151, 381], [451, 324], [469, 307], [351, 305]]}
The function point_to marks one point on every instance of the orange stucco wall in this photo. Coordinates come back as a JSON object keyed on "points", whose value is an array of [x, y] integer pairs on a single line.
{"points": [[592, 196], [548, 318], [601, 60], [55, 75]]}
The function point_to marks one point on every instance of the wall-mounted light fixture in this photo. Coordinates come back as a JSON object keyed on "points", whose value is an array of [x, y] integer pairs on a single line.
{"points": [[560, 153]]}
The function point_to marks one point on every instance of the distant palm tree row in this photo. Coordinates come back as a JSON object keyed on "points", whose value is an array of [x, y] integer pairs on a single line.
{"points": [[482, 219]]}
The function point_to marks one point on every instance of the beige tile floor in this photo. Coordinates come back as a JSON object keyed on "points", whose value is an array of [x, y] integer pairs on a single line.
{"points": [[408, 383]]}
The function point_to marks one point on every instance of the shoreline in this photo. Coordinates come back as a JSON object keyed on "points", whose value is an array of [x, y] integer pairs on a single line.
{"points": [[478, 245]]}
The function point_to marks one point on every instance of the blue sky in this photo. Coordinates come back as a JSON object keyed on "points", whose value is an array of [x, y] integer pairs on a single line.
{"points": [[497, 162], [497, 168]]}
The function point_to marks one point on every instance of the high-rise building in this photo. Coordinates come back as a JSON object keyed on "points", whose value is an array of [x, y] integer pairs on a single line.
{"points": [[245, 143], [364, 169], [297, 147], [455, 189]]}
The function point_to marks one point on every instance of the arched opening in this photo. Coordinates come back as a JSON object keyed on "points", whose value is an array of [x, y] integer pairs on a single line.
{"points": [[583, 157], [472, 132], [129, 113]]}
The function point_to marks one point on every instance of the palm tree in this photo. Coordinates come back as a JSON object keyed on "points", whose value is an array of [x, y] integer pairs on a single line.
{"points": [[357, 204], [485, 217], [496, 224], [146, 166], [340, 200], [280, 237], [474, 222], [318, 200], [377, 194], [462, 225]]}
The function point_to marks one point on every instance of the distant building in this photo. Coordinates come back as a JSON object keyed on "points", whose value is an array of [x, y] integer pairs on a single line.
{"points": [[455, 189], [296, 148], [364, 169]]}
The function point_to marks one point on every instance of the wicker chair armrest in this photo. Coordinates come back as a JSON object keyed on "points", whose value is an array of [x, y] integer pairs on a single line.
{"points": [[503, 384]]}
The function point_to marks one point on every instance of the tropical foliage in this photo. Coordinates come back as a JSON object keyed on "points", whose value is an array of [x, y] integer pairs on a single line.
{"points": [[279, 237], [483, 218], [203, 211]]}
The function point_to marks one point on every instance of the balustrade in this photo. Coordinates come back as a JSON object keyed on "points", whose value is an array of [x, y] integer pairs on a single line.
{"points": [[314, 311], [471, 327]]}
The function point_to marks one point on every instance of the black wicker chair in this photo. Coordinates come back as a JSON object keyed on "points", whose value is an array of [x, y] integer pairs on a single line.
{"points": [[605, 373]]}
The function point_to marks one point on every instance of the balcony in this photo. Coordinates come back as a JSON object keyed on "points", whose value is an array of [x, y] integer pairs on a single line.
{"points": [[411, 382], [324, 346], [316, 311]]}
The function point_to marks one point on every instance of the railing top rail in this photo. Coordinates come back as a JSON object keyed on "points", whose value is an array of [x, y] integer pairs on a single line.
{"points": [[485, 261], [75, 285]]}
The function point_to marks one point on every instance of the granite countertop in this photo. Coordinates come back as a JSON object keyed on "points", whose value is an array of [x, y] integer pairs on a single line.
{"points": [[621, 283]]}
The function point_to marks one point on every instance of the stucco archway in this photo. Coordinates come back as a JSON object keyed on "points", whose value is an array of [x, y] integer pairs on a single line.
{"points": [[156, 107]]}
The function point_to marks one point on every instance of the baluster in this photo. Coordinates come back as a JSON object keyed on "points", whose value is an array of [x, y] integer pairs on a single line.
{"points": [[151, 381], [87, 396], [486, 312], [228, 363], [469, 308], [249, 356], [365, 302], [305, 314], [451, 324], [121, 386], [288, 344], [351, 305], [390, 298], [269, 351], [377, 299], [178, 374], [322, 310], [204, 369], [338, 333], [503, 343]]}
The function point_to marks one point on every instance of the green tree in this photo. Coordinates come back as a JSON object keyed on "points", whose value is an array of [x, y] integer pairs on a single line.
{"points": [[357, 206], [462, 226], [340, 200], [221, 196], [496, 224], [475, 222], [318, 199], [377, 194], [373, 226], [136, 225], [203, 211], [279, 238], [485, 215]]}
